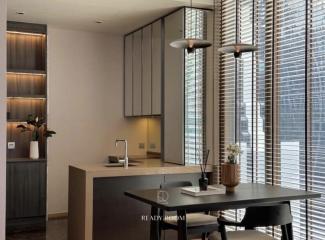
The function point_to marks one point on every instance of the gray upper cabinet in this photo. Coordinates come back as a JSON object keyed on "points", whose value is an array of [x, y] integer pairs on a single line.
{"points": [[128, 92], [143, 71], [156, 67], [137, 73], [174, 90], [146, 70]]}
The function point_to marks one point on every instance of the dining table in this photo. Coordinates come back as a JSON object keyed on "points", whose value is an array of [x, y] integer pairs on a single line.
{"points": [[245, 195]]}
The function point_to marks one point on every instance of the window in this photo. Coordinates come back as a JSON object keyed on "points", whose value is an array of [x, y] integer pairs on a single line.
{"points": [[194, 88], [280, 108]]}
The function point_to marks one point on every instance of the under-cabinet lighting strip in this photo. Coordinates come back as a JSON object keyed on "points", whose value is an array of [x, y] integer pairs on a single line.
{"points": [[26, 73], [27, 33], [28, 98], [16, 121]]}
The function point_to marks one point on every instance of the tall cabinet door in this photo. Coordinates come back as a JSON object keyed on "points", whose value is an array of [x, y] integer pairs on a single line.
{"points": [[26, 190], [146, 70], [174, 90], [156, 67], [137, 73], [128, 89]]}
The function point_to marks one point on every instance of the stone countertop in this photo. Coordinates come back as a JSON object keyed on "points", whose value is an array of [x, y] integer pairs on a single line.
{"points": [[143, 167]]}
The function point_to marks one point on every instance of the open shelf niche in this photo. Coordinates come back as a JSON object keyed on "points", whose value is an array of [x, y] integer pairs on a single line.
{"points": [[26, 83]]}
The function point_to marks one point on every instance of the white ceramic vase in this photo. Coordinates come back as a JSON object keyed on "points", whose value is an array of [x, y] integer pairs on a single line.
{"points": [[34, 150]]}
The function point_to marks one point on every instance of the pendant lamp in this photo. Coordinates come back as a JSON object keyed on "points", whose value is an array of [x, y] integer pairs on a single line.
{"points": [[237, 48], [190, 43]]}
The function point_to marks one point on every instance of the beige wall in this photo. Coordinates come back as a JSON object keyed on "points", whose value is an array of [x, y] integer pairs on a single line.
{"points": [[154, 135], [85, 106], [3, 114]]}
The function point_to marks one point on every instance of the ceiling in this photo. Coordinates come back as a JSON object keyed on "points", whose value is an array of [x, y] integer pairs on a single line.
{"points": [[118, 16]]}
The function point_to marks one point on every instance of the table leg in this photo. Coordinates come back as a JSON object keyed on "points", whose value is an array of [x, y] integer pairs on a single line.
{"points": [[181, 224], [154, 224]]}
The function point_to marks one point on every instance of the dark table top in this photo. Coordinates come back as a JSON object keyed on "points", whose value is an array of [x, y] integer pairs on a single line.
{"points": [[245, 195]]}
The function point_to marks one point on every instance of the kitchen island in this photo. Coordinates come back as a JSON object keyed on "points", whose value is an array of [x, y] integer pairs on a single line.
{"points": [[98, 208]]}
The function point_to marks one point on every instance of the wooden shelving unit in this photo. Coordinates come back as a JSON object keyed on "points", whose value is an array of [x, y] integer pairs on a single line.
{"points": [[26, 82], [27, 97], [13, 160], [26, 71], [26, 94]]}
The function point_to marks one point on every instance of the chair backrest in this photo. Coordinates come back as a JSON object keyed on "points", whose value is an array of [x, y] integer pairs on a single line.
{"points": [[175, 184], [267, 215]]}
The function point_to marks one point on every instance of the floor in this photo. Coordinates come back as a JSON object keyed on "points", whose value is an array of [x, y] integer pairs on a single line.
{"points": [[56, 230]]}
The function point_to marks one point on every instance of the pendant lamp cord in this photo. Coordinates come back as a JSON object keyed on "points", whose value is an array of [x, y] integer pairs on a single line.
{"points": [[191, 22], [236, 76], [237, 22]]}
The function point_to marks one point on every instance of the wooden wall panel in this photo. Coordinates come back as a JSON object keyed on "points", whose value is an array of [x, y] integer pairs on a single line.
{"points": [[25, 84], [20, 108], [26, 51]]}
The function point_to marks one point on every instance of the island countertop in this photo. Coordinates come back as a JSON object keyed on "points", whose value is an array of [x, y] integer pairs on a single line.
{"points": [[84, 180], [143, 167]]}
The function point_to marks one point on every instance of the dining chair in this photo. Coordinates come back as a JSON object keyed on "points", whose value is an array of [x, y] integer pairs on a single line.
{"points": [[197, 223], [259, 216]]}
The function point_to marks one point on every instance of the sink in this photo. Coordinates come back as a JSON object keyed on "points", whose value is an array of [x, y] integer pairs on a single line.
{"points": [[120, 164]]}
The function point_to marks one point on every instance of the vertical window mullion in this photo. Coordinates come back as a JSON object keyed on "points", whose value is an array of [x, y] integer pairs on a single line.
{"points": [[269, 83], [307, 111], [253, 93]]}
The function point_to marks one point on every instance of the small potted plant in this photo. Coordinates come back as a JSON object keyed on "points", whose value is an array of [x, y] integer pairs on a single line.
{"points": [[36, 126], [230, 170]]}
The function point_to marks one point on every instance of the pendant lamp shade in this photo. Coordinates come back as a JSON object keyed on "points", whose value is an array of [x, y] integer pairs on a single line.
{"points": [[190, 44], [237, 49]]}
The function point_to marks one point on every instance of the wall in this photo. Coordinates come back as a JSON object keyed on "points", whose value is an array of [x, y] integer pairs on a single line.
{"points": [[85, 106], [154, 135], [3, 114]]}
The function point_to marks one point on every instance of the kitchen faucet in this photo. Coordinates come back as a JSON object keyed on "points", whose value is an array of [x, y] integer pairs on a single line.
{"points": [[126, 159]]}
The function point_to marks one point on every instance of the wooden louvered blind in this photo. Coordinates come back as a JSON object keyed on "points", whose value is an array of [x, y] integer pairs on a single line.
{"points": [[195, 70], [279, 118]]}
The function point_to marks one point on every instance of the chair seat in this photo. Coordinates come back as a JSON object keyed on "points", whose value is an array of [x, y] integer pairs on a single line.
{"points": [[242, 235], [194, 219]]}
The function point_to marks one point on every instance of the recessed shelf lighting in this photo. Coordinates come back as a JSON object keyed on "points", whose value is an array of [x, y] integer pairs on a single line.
{"points": [[22, 73], [27, 97], [27, 33], [26, 72], [15, 121], [99, 21]]}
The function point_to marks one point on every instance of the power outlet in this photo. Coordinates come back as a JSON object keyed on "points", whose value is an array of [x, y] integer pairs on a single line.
{"points": [[141, 145], [152, 146], [11, 145]]}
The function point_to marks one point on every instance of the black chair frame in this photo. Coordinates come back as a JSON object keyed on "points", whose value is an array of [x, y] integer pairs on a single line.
{"points": [[262, 216]]}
